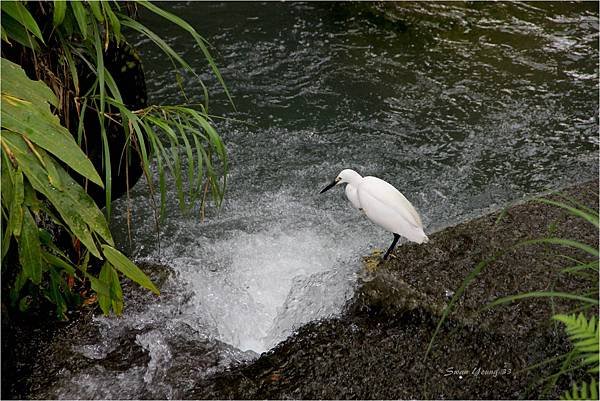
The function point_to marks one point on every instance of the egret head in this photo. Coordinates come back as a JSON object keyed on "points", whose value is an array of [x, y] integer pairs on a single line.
{"points": [[346, 176]]}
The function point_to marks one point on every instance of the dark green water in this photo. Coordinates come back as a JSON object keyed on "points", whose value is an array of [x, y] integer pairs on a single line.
{"points": [[464, 107]]}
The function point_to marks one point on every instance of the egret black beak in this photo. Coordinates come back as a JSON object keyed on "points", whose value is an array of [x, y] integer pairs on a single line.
{"points": [[328, 187]]}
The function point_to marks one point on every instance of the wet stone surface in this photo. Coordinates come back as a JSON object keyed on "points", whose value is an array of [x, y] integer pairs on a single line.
{"points": [[374, 350], [377, 349]]}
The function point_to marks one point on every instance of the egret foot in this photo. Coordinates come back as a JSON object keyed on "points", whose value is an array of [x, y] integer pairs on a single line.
{"points": [[391, 248]]}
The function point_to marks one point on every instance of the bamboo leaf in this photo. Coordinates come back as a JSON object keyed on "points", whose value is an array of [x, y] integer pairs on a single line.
{"points": [[60, 7], [72, 68], [55, 294], [96, 10], [19, 12], [25, 109], [128, 268], [80, 16], [58, 262], [168, 50], [30, 253], [200, 41], [16, 209], [114, 21], [3, 35], [114, 298], [104, 299], [18, 33], [74, 205]]}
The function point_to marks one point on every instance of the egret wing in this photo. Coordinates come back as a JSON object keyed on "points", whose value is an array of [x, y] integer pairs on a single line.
{"points": [[389, 218], [352, 195], [388, 195]]}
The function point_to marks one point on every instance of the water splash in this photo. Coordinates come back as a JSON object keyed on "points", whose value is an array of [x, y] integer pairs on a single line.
{"points": [[463, 113]]}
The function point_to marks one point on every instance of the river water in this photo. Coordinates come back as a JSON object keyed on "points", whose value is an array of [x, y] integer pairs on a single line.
{"points": [[465, 107]]}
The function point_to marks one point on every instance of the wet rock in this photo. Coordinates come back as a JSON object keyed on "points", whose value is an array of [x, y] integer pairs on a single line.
{"points": [[144, 355], [377, 349]]}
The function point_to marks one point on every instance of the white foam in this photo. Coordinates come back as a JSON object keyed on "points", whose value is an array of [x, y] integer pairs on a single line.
{"points": [[256, 286]]}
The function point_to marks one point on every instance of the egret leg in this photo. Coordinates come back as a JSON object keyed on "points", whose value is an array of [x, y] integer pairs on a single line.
{"points": [[391, 248]]}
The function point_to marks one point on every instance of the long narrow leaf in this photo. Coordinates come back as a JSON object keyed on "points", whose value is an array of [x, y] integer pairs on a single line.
{"points": [[80, 16], [19, 12], [564, 242], [592, 218], [200, 41], [30, 251], [128, 268], [60, 7], [542, 294]]}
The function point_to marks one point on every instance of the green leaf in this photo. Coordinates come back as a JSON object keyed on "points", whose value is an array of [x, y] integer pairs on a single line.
{"points": [[20, 13], [105, 146], [128, 268], [200, 41], [585, 336], [59, 12], [114, 299], [30, 199], [95, 7], [104, 299], [73, 71], [17, 286], [30, 253], [16, 210], [25, 110], [80, 16], [7, 179], [55, 294], [3, 35], [98, 285], [24, 303], [563, 242], [114, 21], [74, 205], [58, 262], [18, 33], [542, 294], [584, 391], [592, 218]]}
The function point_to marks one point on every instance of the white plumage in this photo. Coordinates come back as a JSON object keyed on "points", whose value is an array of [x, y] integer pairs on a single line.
{"points": [[383, 204]]}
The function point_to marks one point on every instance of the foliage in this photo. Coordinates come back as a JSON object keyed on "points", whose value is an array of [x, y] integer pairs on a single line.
{"points": [[585, 337], [33, 143], [584, 392], [37, 149], [583, 332]]}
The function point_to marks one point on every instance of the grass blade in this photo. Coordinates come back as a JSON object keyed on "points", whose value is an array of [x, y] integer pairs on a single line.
{"points": [[541, 294], [592, 218]]}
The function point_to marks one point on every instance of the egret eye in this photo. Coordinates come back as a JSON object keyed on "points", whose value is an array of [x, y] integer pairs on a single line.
{"points": [[338, 179]]}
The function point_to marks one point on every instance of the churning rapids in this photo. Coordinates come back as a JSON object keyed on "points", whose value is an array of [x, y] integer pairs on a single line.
{"points": [[464, 107]]}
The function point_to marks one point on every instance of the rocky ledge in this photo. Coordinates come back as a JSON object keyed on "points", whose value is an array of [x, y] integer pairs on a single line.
{"points": [[377, 348]]}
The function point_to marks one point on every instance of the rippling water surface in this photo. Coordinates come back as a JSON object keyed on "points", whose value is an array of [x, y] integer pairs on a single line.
{"points": [[464, 107]]}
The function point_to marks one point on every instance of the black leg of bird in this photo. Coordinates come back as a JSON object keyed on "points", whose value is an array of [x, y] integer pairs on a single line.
{"points": [[391, 248]]}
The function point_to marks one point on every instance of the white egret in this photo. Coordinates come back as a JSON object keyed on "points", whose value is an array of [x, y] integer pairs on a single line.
{"points": [[383, 204]]}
